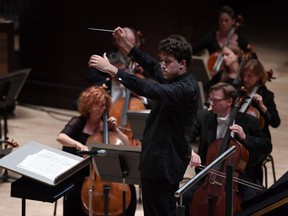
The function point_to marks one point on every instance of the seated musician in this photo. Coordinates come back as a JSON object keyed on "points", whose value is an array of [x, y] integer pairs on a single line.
{"points": [[92, 103], [254, 77], [211, 125], [232, 54], [228, 31], [122, 62]]}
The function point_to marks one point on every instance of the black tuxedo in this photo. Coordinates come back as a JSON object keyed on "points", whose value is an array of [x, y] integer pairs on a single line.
{"points": [[257, 143]]}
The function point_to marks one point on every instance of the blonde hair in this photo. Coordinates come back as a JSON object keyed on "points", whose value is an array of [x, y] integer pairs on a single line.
{"points": [[94, 95], [237, 51]]}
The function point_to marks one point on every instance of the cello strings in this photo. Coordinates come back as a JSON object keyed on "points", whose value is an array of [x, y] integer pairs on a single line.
{"points": [[238, 180], [124, 128]]}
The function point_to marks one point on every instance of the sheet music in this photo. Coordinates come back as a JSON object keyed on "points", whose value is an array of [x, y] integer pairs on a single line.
{"points": [[47, 163]]}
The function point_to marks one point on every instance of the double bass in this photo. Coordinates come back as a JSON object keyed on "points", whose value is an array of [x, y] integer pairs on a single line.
{"points": [[210, 197], [107, 197]]}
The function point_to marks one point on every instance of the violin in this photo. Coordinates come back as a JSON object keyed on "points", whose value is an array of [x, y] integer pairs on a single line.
{"points": [[209, 197], [107, 197], [215, 60]]}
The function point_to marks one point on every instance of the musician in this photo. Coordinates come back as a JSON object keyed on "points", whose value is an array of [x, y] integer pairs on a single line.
{"points": [[254, 77], [212, 124], [214, 40], [93, 101], [96, 77], [122, 62], [165, 151], [232, 54]]}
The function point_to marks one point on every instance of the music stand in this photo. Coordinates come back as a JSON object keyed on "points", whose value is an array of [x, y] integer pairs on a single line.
{"points": [[10, 87], [115, 163], [137, 121], [199, 70]]}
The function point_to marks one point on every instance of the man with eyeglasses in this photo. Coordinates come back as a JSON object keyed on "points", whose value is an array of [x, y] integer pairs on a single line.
{"points": [[165, 151], [210, 127]]}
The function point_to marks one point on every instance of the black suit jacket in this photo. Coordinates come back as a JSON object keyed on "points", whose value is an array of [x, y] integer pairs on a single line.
{"points": [[257, 143]]}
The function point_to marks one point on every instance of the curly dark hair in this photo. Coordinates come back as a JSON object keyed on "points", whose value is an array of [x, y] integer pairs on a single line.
{"points": [[178, 47]]}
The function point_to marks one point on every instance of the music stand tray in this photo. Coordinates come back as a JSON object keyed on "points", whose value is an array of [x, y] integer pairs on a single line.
{"points": [[11, 85], [137, 120], [112, 161], [43, 163], [199, 70]]}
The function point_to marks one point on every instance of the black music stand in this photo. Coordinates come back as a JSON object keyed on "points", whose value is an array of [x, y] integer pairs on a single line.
{"points": [[10, 87], [27, 188], [199, 70], [137, 121], [4, 152], [117, 164]]}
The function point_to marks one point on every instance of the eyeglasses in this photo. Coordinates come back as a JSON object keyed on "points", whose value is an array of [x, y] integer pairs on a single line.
{"points": [[214, 101]]}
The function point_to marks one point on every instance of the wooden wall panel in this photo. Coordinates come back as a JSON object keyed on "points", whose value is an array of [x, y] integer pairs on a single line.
{"points": [[56, 44]]}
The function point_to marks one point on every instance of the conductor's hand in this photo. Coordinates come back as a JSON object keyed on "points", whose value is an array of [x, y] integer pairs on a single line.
{"points": [[102, 64], [121, 41]]}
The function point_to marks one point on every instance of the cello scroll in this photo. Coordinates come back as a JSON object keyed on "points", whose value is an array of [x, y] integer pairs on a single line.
{"points": [[7, 143]]}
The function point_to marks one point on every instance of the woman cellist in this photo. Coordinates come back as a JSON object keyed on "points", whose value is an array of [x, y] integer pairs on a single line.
{"points": [[232, 55], [253, 76], [214, 40], [209, 127], [92, 103]]}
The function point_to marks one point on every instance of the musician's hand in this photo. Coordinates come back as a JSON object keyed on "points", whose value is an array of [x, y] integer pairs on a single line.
{"points": [[237, 129], [102, 64], [112, 123], [259, 100], [195, 159]]}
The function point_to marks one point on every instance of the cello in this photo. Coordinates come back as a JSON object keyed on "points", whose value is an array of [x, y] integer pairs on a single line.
{"points": [[246, 107], [215, 60], [106, 196], [209, 197], [120, 107]]}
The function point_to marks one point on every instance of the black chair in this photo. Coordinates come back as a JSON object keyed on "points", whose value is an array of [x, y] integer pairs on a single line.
{"points": [[271, 160]]}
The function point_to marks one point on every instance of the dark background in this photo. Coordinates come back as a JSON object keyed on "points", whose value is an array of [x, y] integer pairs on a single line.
{"points": [[56, 44]]}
